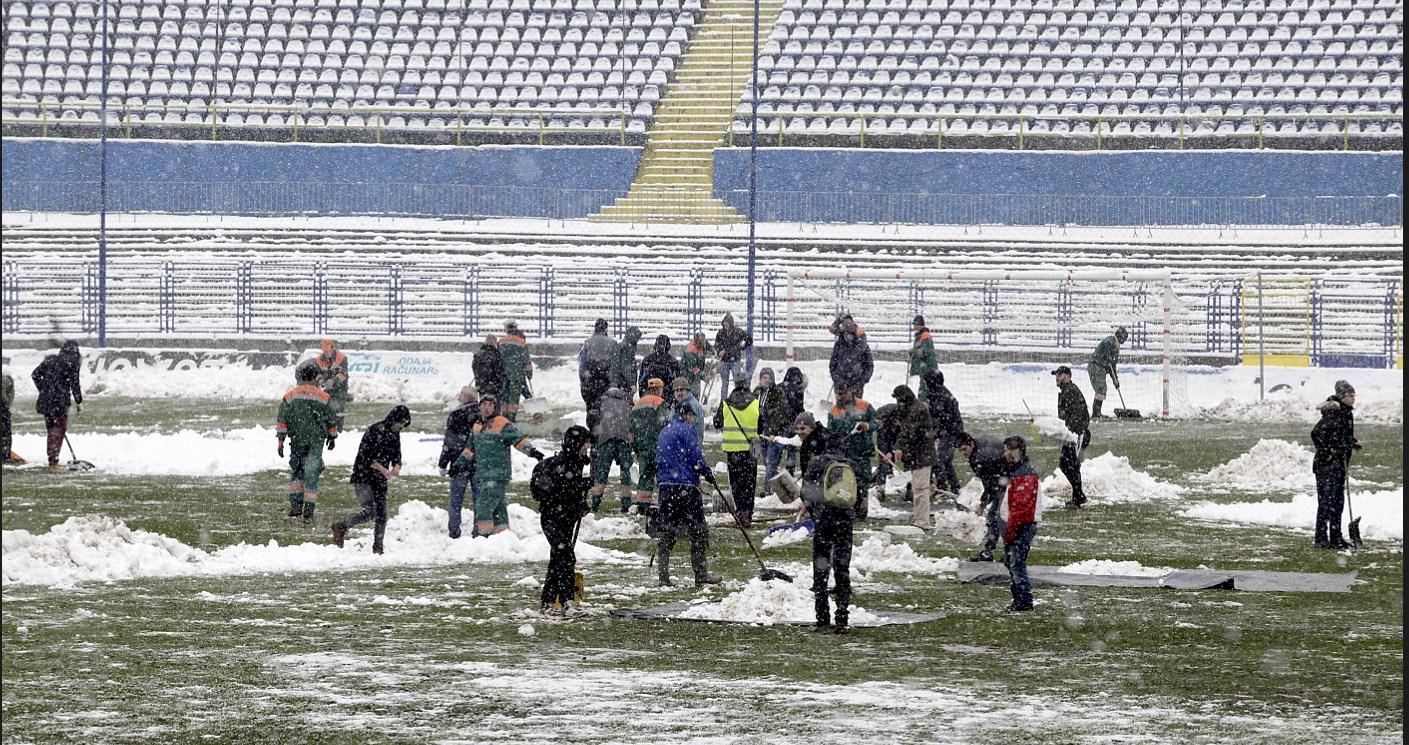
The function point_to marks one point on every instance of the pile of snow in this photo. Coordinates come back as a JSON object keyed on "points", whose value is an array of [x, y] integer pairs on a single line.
{"points": [[768, 603], [784, 537], [1381, 513], [1269, 465], [595, 528], [226, 452], [1109, 478], [960, 524], [1114, 568], [878, 554], [95, 547]]}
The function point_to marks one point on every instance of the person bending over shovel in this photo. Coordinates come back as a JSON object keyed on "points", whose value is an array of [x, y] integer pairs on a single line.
{"points": [[561, 490]]}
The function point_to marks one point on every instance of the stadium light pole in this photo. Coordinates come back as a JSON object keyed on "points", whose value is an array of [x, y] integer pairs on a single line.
{"points": [[753, 179], [103, 188]]}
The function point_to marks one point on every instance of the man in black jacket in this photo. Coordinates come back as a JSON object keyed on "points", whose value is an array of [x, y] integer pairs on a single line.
{"points": [[1071, 408], [658, 364], [457, 430], [834, 525], [948, 425], [851, 364], [561, 490], [732, 345], [488, 367], [56, 379], [986, 459], [378, 459], [1334, 438]]}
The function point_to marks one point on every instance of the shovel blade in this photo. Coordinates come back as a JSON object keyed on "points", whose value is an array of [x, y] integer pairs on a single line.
{"points": [[1128, 414], [772, 574], [1355, 533], [80, 465]]}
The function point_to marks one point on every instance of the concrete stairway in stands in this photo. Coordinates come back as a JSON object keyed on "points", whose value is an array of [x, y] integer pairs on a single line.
{"points": [[675, 180]]}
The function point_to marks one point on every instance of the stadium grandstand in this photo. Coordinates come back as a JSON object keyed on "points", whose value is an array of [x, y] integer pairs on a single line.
{"points": [[673, 75]]}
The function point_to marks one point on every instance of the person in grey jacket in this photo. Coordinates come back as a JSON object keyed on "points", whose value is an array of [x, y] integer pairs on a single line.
{"points": [[613, 437], [986, 459]]}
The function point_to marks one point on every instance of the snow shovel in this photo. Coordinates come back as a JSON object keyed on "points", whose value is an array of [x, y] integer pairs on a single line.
{"points": [[75, 464], [577, 581], [1354, 521], [1122, 412], [764, 573], [535, 408]]}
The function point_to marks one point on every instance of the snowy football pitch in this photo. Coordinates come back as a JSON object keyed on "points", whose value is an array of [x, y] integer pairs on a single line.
{"points": [[197, 638]]}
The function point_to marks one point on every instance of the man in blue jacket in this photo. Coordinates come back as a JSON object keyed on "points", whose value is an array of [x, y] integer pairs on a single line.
{"points": [[680, 464]]}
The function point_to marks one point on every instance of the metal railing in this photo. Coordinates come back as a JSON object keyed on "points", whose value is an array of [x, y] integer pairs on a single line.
{"points": [[309, 198], [473, 201], [1337, 320], [1074, 209]]}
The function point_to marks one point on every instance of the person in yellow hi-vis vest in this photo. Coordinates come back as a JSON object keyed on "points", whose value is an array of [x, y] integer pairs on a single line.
{"points": [[737, 418]]}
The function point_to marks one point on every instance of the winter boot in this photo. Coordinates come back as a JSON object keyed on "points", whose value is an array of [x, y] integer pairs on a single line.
{"points": [[377, 549], [843, 616], [339, 532], [663, 567], [824, 614], [295, 505], [308, 508], [699, 562], [1096, 409]]}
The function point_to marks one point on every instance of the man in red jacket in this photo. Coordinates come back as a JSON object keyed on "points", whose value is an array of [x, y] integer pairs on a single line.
{"points": [[1021, 510]]}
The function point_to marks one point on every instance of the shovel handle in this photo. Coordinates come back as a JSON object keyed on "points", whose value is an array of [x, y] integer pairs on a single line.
{"points": [[740, 525]]}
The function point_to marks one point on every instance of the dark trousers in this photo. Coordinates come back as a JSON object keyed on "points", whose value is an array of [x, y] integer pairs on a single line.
{"points": [[682, 512], [1070, 466], [57, 426], [562, 561], [1015, 557], [831, 553], [989, 503], [373, 500], [1330, 501], [743, 480], [945, 477], [5, 436]]}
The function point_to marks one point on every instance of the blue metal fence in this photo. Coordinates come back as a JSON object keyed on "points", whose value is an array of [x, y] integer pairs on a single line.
{"points": [[465, 201], [1350, 322]]}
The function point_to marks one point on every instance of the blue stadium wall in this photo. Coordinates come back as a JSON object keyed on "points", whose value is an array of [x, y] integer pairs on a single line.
{"points": [[1047, 187], [823, 185], [169, 176]]}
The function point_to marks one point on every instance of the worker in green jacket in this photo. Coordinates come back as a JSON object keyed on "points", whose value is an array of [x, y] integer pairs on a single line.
{"points": [[518, 369], [649, 416], [624, 366], [852, 420], [922, 359], [332, 377], [309, 422], [488, 446], [695, 363], [1103, 362]]}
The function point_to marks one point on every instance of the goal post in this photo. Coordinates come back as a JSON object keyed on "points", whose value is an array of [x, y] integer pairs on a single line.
{"points": [[998, 332]]}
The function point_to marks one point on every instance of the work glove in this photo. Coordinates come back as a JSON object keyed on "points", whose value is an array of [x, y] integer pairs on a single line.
{"points": [[281, 449], [331, 442], [78, 408], [444, 472], [583, 510], [536, 455]]}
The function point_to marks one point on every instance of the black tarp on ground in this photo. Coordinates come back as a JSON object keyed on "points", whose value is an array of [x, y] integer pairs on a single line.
{"points": [[672, 611], [1182, 579]]}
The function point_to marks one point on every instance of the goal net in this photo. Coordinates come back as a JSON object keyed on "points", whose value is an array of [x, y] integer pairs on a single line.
{"points": [[999, 334]]}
